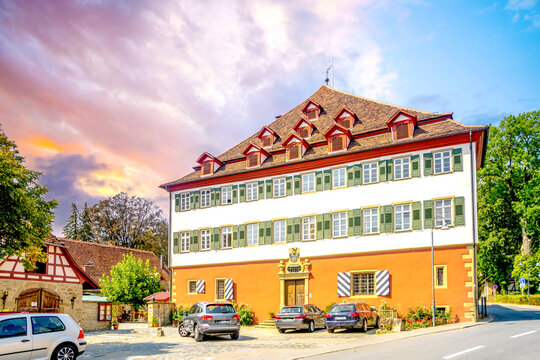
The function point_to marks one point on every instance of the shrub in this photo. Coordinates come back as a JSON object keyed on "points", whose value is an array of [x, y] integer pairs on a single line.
{"points": [[421, 317], [246, 316], [515, 299]]}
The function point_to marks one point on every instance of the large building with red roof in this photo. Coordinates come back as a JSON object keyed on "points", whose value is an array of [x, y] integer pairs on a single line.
{"points": [[334, 201]]}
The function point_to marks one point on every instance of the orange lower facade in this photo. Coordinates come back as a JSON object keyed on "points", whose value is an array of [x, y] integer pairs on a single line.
{"points": [[263, 285]]}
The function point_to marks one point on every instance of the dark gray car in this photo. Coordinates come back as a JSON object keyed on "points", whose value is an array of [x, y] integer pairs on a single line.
{"points": [[351, 316], [297, 317], [214, 319]]}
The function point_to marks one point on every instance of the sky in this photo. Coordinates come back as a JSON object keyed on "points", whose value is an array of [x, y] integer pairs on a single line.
{"points": [[111, 96]]}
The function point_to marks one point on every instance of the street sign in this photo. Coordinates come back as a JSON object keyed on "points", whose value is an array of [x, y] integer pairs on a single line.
{"points": [[522, 282]]}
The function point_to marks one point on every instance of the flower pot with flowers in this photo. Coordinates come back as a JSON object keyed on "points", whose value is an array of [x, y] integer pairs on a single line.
{"points": [[114, 324], [155, 322]]}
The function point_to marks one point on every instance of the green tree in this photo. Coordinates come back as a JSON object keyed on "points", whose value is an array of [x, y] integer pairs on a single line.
{"points": [[85, 231], [25, 216], [509, 195], [71, 229], [130, 281], [520, 270]]}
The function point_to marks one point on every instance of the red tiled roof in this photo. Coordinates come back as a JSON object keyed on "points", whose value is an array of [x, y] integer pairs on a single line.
{"points": [[159, 296]]}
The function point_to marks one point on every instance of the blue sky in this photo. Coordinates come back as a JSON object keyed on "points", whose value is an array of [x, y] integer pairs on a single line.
{"points": [[124, 95]]}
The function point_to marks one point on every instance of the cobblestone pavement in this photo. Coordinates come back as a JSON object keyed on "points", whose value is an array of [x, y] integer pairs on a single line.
{"points": [[136, 341]]}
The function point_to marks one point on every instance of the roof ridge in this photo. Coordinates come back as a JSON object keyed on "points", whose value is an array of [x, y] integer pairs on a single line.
{"points": [[106, 245], [382, 102]]}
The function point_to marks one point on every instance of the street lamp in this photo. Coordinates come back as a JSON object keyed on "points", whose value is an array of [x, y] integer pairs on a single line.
{"points": [[443, 227]]}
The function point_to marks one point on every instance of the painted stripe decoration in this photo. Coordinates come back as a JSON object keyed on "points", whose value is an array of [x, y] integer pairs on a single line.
{"points": [[383, 283], [344, 284], [228, 289], [200, 286]]}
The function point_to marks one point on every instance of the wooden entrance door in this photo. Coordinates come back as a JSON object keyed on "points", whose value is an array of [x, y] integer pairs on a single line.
{"points": [[38, 300], [295, 292]]}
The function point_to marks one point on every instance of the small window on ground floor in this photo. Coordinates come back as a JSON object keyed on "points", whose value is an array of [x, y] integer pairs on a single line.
{"points": [[363, 283], [192, 286], [104, 311], [220, 289]]}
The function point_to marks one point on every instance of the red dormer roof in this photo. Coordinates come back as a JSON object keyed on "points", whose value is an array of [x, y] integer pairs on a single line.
{"points": [[344, 110], [337, 130], [401, 115], [258, 149], [290, 139], [310, 102], [206, 156], [264, 130], [301, 122]]}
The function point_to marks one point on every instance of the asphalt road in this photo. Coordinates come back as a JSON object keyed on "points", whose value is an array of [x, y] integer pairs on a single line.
{"points": [[515, 334]]}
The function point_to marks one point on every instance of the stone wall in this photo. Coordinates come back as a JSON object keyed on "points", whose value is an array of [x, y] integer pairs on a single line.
{"points": [[161, 311], [84, 313]]}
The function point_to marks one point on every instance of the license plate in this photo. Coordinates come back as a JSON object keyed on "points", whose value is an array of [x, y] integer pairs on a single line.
{"points": [[340, 317], [287, 319], [223, 321]]}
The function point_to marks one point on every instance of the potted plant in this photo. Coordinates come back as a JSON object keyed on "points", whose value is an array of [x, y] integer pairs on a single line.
{"points": [[155, 321], [272, 315], [114, 324]]}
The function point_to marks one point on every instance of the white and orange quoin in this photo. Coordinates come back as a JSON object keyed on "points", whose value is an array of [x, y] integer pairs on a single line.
{"points": [[333, 201]]}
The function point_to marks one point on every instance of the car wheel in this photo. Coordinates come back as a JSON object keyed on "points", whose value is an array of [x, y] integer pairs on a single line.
{"points": [[364, 326], [65, 352], [330, 330], [197, 334], [311, 326], [235, 335], [377, 323], [282, 331], [182, 331]]}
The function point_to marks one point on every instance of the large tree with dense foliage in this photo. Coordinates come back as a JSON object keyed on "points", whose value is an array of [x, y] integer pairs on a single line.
{"points": [[130, 281], [85, 230], [509, 195], [25, 216], [71, 229]]}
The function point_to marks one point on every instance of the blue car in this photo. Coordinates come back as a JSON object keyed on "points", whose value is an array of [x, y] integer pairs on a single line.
{"points": [[351, 316]]}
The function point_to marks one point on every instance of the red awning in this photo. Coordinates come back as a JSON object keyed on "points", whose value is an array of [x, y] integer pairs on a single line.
{"points": [[160, 296]]}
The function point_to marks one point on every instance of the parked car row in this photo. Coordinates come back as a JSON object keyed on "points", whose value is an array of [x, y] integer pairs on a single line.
{"points": [[341, 316]]}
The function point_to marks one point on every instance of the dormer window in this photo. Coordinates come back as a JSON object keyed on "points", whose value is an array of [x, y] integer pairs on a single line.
{"points": [[255, 155], [208, 164], [267, 137], [296, 147], [402, 125], [345, 118], [304, 128], [311, 110], [338, 138]]}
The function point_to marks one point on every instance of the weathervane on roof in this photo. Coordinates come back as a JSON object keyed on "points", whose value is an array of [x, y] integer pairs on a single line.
{"points": [[330, 71]]}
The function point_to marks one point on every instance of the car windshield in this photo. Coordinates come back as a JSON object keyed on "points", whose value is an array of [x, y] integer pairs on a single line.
{"points": [[291, 310], [342, 308], [220, 309]]}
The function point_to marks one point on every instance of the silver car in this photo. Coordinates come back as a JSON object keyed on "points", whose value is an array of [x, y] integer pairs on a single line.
{"points": [[40, 336], [214, 319], [297, 317]]}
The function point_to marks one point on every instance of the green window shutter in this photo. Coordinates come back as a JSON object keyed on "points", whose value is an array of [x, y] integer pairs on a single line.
{"points": [[297, 184], [214, 239], [289, 235], [235, 194], [382, 170], [327, 179], [416, 215], [319, 226], [428, 213], [387, 218], [261, 232], [192, 204], [458, 164], [318, 181], [268, 232], [175, 242], [242, 235], [269, 189], [197, 197], [357, 221], [212, 197], [389, 166], [327, 225], [297, 234], [350, 176], [415, 165], [218, 196], [358, 174], [194, 240], [350, 223], [459, 211], [235, 236], [428, 164], [177, 202], [242, 191], [288, 186], [261, 190]]}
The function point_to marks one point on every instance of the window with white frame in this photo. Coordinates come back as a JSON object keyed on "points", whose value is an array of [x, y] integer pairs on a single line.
{"points": [[402, 216], [252, 234], [279, 187], [226, 237], [308, 228], [371, 221], [441, 162], [279, 231], [443, 212], [184, 201], [205, 198], [339, 224], [205, 239], [308, 182], [184, 241], [370, 172], [402, 168], [226, 195], [251, 191], [339, 177]]}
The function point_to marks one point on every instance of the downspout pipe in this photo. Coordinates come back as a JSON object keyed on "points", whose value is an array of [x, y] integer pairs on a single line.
{"points": [[169, 247], [474, 226]]}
